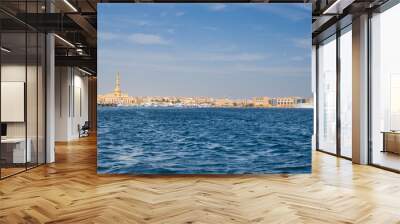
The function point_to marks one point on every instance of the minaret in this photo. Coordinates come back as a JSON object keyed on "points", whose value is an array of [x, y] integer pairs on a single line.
{"points": [[117, 90]]}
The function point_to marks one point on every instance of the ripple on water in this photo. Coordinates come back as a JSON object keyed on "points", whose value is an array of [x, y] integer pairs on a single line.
{"points": [[204, 141]]}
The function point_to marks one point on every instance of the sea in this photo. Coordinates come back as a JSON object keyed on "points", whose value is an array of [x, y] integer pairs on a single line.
{"points": [[159, 140]]}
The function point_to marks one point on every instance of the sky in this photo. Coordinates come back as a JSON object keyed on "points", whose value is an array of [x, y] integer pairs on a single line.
{"points": [[217, 50]]}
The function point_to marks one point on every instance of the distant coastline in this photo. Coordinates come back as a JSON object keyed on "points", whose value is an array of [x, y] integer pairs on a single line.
{"points": [[118, 98], [207, 102], [206, 107]]}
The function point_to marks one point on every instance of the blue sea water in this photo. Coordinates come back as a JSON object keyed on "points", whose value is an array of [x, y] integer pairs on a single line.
{"points": [[133, 140]]}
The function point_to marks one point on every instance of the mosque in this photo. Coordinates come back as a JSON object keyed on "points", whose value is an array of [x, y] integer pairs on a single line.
{"points": [[117, 97]]}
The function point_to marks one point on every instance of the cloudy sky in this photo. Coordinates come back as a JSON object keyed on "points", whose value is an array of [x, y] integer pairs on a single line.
{"points": [[218, 50]]}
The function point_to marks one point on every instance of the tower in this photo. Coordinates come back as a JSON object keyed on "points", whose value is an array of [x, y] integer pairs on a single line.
{"points": [[117, 90]]}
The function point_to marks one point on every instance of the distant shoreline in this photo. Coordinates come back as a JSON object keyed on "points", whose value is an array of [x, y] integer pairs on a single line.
{"points": [[194, 107]]}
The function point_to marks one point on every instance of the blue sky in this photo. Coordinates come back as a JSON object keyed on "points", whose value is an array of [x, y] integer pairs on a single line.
{"points": [[217, 50]]}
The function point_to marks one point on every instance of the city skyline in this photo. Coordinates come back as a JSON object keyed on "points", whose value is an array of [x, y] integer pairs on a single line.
{"points": [[174, 50], [118, 98]]}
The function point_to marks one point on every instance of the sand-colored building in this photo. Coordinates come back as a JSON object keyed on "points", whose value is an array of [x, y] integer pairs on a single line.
{"points": [[223, 102], [261, 101], [117, 96]]}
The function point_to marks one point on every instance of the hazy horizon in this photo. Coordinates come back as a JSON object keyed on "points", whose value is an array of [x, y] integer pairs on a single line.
{"points": [[236, 51], [215, 97]]}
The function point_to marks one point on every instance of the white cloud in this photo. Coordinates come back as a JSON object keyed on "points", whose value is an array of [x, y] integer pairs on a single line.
{"points": [[108, 36], [132, 22], [142, 38], [142, 23], [232, 57], [171, 31], [271, 70], [199, 63], [294, 12], [200, 57], [179, 13], [302, 42], [218, 7], [297, 58]]}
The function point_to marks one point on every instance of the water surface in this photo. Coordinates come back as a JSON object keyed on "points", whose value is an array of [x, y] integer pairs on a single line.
{"points": [[134, 140]]}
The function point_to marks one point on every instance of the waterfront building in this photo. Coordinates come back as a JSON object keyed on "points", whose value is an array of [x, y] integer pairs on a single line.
{"points": [[223, 102], [117, 97], [261, 101], [304, 103]]}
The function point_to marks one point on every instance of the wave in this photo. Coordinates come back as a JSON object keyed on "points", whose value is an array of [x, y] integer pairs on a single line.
{"points": [[204, 141]]}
